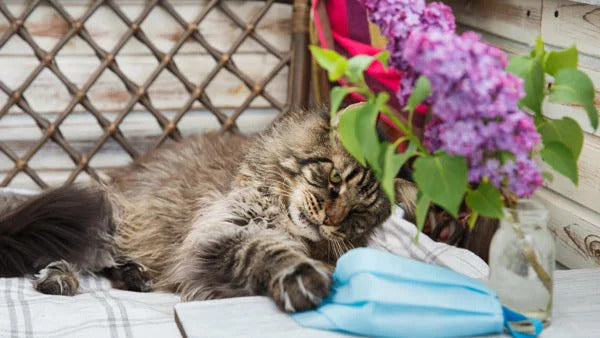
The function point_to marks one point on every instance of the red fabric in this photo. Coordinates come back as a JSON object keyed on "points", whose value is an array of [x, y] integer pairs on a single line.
{"points": [[389, 77], [336, 10]]}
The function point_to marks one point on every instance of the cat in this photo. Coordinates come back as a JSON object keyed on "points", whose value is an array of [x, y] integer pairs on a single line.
{"points": [[214, 216]]}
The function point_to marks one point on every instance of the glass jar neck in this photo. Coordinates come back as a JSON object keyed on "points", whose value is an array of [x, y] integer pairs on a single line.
{"points": [[526, 213]]}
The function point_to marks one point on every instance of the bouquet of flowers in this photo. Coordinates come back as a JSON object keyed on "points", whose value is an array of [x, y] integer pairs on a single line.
{"points": [[487, 125]]}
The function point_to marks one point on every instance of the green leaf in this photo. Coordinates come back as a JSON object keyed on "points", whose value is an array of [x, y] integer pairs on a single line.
{"points": [[531, 71], [336, 96], [366, 133], [566, 131], [339, 68], [557, 60], [443, 178], [574, 86], [421, 211], [347, 133], [383, 57], [357, 65], [420, 93], [358, 133], [389, 171], [392, 163], [548, 176], [485, 200], [560, 158], [538, 51], [329, 60]]}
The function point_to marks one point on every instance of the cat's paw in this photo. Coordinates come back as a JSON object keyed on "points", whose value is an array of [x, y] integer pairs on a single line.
{"points": [[301, 286], [130, 276], [136, 278], [58, 278]]}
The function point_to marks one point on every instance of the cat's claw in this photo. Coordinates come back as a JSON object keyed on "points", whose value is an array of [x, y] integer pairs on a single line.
{"points": [[302, 286]]}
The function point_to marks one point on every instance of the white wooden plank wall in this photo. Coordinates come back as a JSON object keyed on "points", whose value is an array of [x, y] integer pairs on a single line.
{"points": [[513, 25], [48, 96]]}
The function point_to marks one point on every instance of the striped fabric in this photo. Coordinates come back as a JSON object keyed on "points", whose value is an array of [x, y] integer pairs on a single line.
{"points": [[342, 25], [97, 311]]}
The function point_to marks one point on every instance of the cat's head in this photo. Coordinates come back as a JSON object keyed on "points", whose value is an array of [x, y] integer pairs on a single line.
{"points": [[324, 191]]}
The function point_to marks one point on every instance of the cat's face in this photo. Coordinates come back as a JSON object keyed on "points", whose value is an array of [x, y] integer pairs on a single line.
{"points": [[327, 194], [336, 199]]}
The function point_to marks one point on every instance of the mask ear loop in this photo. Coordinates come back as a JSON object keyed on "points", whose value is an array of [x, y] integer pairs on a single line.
{"points": [[514, 318]]}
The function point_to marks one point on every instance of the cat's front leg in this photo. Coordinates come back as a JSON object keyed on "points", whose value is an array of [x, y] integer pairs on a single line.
{"points": [[265, 262]]}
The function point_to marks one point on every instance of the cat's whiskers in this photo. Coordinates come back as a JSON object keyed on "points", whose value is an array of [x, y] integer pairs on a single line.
{"points": [[338, 249], [348, 245], [334, 248]]}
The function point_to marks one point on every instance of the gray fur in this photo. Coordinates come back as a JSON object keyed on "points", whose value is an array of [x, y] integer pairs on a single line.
{"points": [[227, 215]]}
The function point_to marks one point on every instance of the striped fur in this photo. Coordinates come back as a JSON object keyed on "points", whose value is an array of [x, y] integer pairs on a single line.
{"points": [[227, 215]]}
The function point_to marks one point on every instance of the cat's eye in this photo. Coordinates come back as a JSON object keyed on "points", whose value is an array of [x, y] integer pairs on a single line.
{"points": [[334, 177]]}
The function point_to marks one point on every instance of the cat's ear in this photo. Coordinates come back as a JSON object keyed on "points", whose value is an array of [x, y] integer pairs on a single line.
{"points": [[406, 197]]}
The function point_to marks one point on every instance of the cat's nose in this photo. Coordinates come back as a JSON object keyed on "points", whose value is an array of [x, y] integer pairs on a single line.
{"points": [[336, 212]]}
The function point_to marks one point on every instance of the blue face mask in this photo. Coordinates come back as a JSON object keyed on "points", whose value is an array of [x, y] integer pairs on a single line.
{"points": [[380, 294]]}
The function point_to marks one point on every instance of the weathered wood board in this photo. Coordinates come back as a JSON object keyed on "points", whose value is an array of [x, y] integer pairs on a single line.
{"points": [[567, 22], [518, 20], [575, 230]]}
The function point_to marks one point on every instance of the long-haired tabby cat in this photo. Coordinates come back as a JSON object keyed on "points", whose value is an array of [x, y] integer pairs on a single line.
{"points": [[215, 216]]}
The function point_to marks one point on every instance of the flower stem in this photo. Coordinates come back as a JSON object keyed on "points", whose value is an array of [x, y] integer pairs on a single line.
{"points": [[532, 258], [407, 132], [398, 141], [411, 114]]}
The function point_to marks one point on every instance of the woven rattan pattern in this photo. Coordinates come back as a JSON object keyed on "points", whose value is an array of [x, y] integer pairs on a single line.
{"points": [[51, 129]]}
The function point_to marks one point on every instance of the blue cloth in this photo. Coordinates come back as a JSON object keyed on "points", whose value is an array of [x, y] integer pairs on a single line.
{"points": [[380, 294]]}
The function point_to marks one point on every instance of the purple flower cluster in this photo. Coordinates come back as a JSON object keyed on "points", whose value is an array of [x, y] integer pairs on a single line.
{"points": [[474, 101], [397, 19]]}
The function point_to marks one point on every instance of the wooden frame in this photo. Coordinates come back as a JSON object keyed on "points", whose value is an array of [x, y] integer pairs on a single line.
{"points": [[85, 59]]}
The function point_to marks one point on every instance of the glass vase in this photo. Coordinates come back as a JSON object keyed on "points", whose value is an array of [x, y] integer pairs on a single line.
{"points": [[522, 260]]}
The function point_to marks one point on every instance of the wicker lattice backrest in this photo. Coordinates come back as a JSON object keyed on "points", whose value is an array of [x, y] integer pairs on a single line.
{"points": [[169, 60]]}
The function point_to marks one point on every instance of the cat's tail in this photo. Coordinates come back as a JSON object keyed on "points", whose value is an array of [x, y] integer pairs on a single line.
{"points": [[62, 223]]}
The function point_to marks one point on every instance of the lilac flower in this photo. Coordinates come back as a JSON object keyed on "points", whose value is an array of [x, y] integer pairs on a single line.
{"points": [[397, 19], [474, 101], [475, 105]]}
